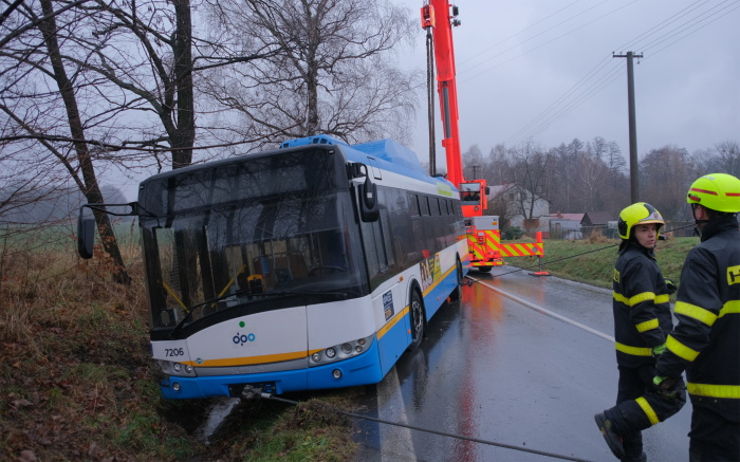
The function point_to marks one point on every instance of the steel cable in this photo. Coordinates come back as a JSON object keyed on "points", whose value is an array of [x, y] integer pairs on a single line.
{"points": [[610, 246], [427, 430]]}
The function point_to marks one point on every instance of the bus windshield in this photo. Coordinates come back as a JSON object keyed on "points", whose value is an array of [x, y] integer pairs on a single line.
{"points": [[276, 228]]}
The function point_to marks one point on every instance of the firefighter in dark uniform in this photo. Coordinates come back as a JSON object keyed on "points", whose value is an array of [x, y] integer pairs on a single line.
{"points": [[706, 339], [642, 320]]}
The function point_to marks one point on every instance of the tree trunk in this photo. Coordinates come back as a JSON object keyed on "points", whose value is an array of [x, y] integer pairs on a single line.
{"points": [[312, 117], [91, 190], [184, 136]]}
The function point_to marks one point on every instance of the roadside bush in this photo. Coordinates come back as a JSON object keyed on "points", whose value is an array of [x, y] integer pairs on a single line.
{"points": [[512, 233]]}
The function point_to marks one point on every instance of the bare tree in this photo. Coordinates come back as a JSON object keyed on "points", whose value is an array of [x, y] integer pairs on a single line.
{"points": [[724, 158], [666, 174], [329, 74], [144, 51], [592, 174], [530, 171], [497, 168], [473, 162], [39, 97], [90, 187]]}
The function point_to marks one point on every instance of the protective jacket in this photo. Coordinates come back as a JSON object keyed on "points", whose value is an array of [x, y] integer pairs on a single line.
{"points": [[642, 316], [706, 340]]}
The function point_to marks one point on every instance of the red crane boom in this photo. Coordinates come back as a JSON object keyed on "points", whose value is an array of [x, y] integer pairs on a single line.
{"points": [[438, 17]]}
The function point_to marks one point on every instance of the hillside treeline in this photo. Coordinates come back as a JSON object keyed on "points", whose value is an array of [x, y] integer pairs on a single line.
{"points": [[587, 176]]}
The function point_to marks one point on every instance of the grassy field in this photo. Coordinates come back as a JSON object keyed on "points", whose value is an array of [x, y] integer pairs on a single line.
{"points": [[592, 261], [77, 381]]}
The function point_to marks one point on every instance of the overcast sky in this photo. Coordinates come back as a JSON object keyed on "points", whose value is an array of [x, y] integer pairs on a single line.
{"points": [[543, 70]]}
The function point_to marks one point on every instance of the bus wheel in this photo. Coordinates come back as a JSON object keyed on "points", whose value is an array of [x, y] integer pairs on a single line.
{"points": [[417, 320]]}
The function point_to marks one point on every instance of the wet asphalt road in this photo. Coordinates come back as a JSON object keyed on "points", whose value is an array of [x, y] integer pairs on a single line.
{"points": [[495, 368]]}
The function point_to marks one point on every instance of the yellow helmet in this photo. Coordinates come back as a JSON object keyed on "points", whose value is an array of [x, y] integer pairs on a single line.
{"points": [[716, 191], [639, 213]]}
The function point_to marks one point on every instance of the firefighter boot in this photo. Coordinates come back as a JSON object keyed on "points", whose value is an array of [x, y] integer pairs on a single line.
{"points": [[641, 458], [632, 445], [613, 439]]}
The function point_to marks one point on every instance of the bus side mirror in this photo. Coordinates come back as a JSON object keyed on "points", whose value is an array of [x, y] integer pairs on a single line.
{"points": [[488, 190], [85, 234], [369, 209]]}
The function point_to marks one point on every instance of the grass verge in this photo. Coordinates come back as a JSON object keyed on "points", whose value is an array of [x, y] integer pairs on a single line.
{"points": [[592, 261], [78, 384]]}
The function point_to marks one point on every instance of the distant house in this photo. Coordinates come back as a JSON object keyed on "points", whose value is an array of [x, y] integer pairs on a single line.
{"points": [[596, 218], [516, 202], [599, 221], [565, 225]]}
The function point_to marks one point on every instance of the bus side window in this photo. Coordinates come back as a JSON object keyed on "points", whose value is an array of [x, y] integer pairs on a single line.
{"points": [[414, 205], [424, 201], [386, 235]]}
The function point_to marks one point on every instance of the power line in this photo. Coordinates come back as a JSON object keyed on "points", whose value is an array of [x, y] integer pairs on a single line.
{"points": [[530, 50], [568, 19], [632, 44], [545, 113], [585, 93], [693, 31], [680, 31], [521, 31], [699, 20]]}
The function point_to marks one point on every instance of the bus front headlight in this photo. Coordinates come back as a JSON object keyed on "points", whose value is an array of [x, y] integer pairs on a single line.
{"points": [[341, 351], [176, 369]]}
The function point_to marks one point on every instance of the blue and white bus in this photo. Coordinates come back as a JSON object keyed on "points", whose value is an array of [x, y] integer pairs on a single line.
{"points": [[312, 266]]}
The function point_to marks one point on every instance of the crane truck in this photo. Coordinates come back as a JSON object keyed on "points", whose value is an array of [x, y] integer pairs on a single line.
{"points": [[438, 17]]}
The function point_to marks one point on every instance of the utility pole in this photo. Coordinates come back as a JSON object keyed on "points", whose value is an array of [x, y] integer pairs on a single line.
{"points": [[634, 175], [475, 169]]}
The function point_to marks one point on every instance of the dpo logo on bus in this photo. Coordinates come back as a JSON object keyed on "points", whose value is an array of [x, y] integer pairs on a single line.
{"points": [[242, 339]]}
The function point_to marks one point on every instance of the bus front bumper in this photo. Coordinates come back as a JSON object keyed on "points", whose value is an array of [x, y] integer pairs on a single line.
{"points": [[361, 370]]}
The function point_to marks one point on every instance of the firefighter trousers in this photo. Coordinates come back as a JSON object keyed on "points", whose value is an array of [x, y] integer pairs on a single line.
{"points": [[639, 406], [713, 438]]}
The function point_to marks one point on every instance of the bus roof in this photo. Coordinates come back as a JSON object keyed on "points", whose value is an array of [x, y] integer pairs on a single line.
{"points": [[385, 154]]}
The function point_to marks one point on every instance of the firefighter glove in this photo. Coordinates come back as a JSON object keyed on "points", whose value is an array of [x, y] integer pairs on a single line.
{"points": [[657, 351], [670, 286], [669, 387]]}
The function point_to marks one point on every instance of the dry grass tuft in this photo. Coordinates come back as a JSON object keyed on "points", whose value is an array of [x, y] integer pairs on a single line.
{"points": [[597, 237]]}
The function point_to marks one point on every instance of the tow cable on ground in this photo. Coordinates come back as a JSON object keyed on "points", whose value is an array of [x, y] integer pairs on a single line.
{"points": [[610, 246], [252, 393], [255, 393]]}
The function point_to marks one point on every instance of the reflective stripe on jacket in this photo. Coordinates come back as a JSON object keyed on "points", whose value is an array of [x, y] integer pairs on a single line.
{"points": [[642, 316], [706, 340]]}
